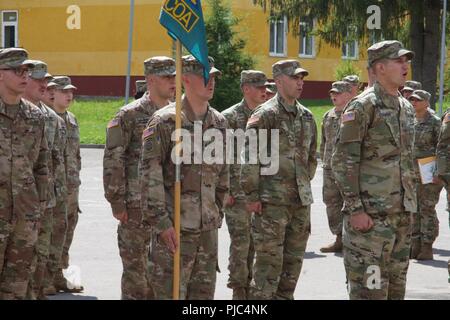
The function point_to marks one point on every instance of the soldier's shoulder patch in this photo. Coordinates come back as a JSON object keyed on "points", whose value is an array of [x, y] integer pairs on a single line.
{"points": [[447, 118], [113, 123], [348, 116], [148, 133], [252, 120]]}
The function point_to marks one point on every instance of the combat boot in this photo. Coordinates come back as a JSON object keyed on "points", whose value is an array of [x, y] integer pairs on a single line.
{"points": [[426, 252], [334, 247], [49, 290], [239, 294], [416, 246]]}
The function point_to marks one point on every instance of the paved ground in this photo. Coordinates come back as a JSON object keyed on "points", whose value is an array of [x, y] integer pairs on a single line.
{"points": [[95, 250]]}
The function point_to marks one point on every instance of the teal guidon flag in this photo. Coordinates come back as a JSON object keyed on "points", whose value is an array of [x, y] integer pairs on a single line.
{"points": [[183, 20]]}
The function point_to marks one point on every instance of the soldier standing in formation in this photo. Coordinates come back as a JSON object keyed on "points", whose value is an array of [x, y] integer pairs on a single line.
{"points": [[253, 86], [66, 211], [121, 178], [203, 189], [443, 161], [354, 82], [374, 166], [425, 222], [55, 136], [23, 174], [341, 93], [281, 202], [409, 88]]}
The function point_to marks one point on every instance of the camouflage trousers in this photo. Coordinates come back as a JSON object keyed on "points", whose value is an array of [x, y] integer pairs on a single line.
{"points": [[199, 265], [42, 251], [376, 262], [72, 220], [134, 244], [18, 237], [425, 221], [280, 234], [58, 237], [333, 201], [242, 252]]}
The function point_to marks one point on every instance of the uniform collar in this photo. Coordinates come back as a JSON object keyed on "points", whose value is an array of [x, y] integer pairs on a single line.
{"points": [[295, 109], [389, 101], [208, 120]]}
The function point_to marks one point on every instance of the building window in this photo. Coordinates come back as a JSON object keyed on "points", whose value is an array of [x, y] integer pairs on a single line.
{"points": [[306, 45], [9, 29], [278, 31], [350, 46]]}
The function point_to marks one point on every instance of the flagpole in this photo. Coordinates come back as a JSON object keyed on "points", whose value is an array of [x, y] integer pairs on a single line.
{"points": [[177, 196]]}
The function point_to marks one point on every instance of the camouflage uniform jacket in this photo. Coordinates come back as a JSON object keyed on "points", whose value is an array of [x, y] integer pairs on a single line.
{"points": [[297, 155], [237, 117], [73, 157], [23, 162], [443, 149], [330, 127], [203, 186], [426, 138], [374, 154], [122, 154], [54, 134]]}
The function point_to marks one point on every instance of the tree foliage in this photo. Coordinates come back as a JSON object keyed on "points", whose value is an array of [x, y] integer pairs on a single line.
{"points": [[227, 49]]}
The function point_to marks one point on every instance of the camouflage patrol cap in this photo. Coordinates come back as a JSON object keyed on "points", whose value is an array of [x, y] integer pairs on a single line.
{"points": [[421, 95], [412, 85], [288, 67], [341, 86], [141, 86], [254, 78], [13, 58], [39, 70], [160, 66], [352, 79], [63, 83], [191, 65], [389, 49]]}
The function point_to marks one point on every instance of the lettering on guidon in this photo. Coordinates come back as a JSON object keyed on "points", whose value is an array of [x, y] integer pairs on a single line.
{"points": [[182, 13]]}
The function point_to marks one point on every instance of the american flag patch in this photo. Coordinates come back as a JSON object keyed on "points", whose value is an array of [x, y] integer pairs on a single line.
{"points": [[349, 116], [113, 123], [148, 132], [447, 118], [252, 120]]}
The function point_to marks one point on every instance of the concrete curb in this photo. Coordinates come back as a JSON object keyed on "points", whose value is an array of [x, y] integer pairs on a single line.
{"points": [[93, 146]]}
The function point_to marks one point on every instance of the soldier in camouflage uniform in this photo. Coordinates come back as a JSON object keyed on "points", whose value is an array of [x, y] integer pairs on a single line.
{"points": [[23, 174], [120, 174], [49, 95], [253, 85], [281, 201], [55, 135], [341, 94], [443, 162], [409, 88], [141, 88], [374, 167], [64, 224], [354, 82], [203, 189], [425, 222]]}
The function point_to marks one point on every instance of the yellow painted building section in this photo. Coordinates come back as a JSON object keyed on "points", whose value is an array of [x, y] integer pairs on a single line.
{"points": [[100, 46]]}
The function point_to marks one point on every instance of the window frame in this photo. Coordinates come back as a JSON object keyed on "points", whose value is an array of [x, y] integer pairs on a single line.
{"points": [[313, 45], [347, 44], [275, 53], [8, 23]]}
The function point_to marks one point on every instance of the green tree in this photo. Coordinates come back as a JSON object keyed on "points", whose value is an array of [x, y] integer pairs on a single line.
{"points": [[227, 49], [415, 22]]}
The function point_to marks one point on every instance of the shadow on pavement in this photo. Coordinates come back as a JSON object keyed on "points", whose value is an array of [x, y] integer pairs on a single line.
{"points": [[312, 255], [442, 252], [433, 263], [71, 296]]}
